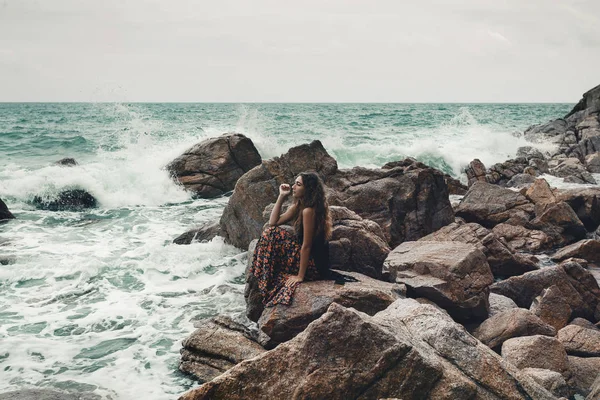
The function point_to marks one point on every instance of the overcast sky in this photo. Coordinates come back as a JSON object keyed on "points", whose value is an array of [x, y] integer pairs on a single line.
{"points": [[299, 51]]}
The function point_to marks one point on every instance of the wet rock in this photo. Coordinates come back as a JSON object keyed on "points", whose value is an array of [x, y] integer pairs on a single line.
{"points": [[5, 214], [552, 381], [578, 287], [356, 244], [549, 131], [408, 351], [475, 172], [281, 323], [573, 171], [580, 341], [551, 307], [67, 200], [499, 303], [585, 203], [509, 324], [47, 394], [489, 205], [503, 262], [454, 275], [519, 238], [213, 166], [406, 198], [455, 186], [584, 371], [217, 345], [67, 162], [502, 173], [204, 233], [536, 351], [588, 249]]}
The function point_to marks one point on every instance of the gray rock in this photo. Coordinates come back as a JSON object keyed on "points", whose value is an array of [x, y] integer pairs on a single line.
{"points": [[5, 214], [592, 163], [553, 381], [46, 394], [67, 162], [454, 275], [548, 131], [585, 203], [499, 303], [573, 171], [67, 200], [530, 152], [584, 148], [594, 390], [590, 102], [520, 181], [536, 351], [584, 371], [560, 224], [204, 233]]}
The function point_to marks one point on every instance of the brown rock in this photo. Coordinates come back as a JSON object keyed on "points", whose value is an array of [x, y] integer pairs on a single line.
{"points": [[553, 381], [541, 195], [584, 371], [454, 275], [560, 223], [578, 287], [499, 303], [536, 352], [589, 127], [217, 345], [588, 250], [509, 324], [585, 203], [584, 323], [580, 341], [501, 259], [592, 163], [573, 171], [281, 323], [475, 172], [455, 186], [551, 307], [213, 166], [489, 205], [584, 148], [519, 238], [594, 390]]}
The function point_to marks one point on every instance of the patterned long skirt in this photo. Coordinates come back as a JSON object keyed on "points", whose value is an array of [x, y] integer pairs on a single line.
{"points": [[277, 255]]}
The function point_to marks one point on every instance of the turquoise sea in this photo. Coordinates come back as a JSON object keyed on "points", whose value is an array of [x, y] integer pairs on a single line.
{"points": [[100, 300]]}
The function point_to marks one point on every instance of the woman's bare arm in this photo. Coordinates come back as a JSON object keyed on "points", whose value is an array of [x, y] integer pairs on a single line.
{"points": [[275, 219]]}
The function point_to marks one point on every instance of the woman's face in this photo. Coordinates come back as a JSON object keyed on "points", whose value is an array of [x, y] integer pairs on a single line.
{"points": [[298, 188]]}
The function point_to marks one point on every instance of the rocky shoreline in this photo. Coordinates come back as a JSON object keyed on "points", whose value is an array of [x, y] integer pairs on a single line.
{"points": [[495, 297]]}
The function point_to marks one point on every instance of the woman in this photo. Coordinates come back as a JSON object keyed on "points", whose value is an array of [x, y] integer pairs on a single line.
{"points": [[283, 260]]}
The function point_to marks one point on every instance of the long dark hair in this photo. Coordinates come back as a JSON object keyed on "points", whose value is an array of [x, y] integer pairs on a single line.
{"points": [[314, 197]]}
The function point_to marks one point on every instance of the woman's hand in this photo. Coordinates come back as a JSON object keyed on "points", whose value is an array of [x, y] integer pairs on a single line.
{"points": [[284, 189], [292, 279]]}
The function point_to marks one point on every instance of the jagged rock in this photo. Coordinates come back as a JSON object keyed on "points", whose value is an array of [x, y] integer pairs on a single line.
{"points": [[408, 351], [67, 200], [475, 172], [530, 152], [499, 303], [537, 351], [541, 195], [551, 308], [254, 305], [281, 323], [47, 394], [501, 259], [67, 162], [592, 163], [4, 212], [552, 381], [590, 102], [585, 203], [584, 323], [546, 132], [594, 390], [584, 371], [588, 127], [356, 244], [489, 205], [502, 173], [406, 198], [584, 148], [204, 233], [509, 324], [580, 341], [578, 287], [588, 249], [453, 275], [455, 186], [519, 238], [217, 345], [573, 171], [213, 166], [560, 223], [521, 181]]}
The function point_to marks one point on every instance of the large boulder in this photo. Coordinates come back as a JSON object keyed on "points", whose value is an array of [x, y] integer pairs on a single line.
{"points": [[475, 172], [560, 223], [590, 102], [217, 345], [281, 323], [580, 341], [553, 381], [406, 198], [356, 244], [509, 324], [4, 212], [584, 371], [521, 239], [584, 148], [552, 308], [585, 203], [573, 170], [503, 262], [540, 194], [536, 351], [213, 166], [409, 351], [588, 127], [577, 285], [489, 205], [499, 303], [588, 249], [454, 275], [66, 200], [549, 131]]}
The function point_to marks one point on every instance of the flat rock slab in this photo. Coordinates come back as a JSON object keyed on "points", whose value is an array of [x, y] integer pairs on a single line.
{"points": [[454, 275], [509, 324], [580, 341], [587, 249]]}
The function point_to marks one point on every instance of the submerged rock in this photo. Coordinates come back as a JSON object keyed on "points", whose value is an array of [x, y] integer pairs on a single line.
{"points": [[67, 162], [213, 166], [204, 233], [67, 200], [4, 212]]}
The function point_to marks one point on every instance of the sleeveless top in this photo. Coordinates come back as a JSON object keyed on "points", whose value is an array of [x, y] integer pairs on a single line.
{"points": [[319, 251]]}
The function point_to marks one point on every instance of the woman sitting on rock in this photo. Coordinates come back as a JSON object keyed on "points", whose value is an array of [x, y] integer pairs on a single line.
{"points": [[283, 259]]}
